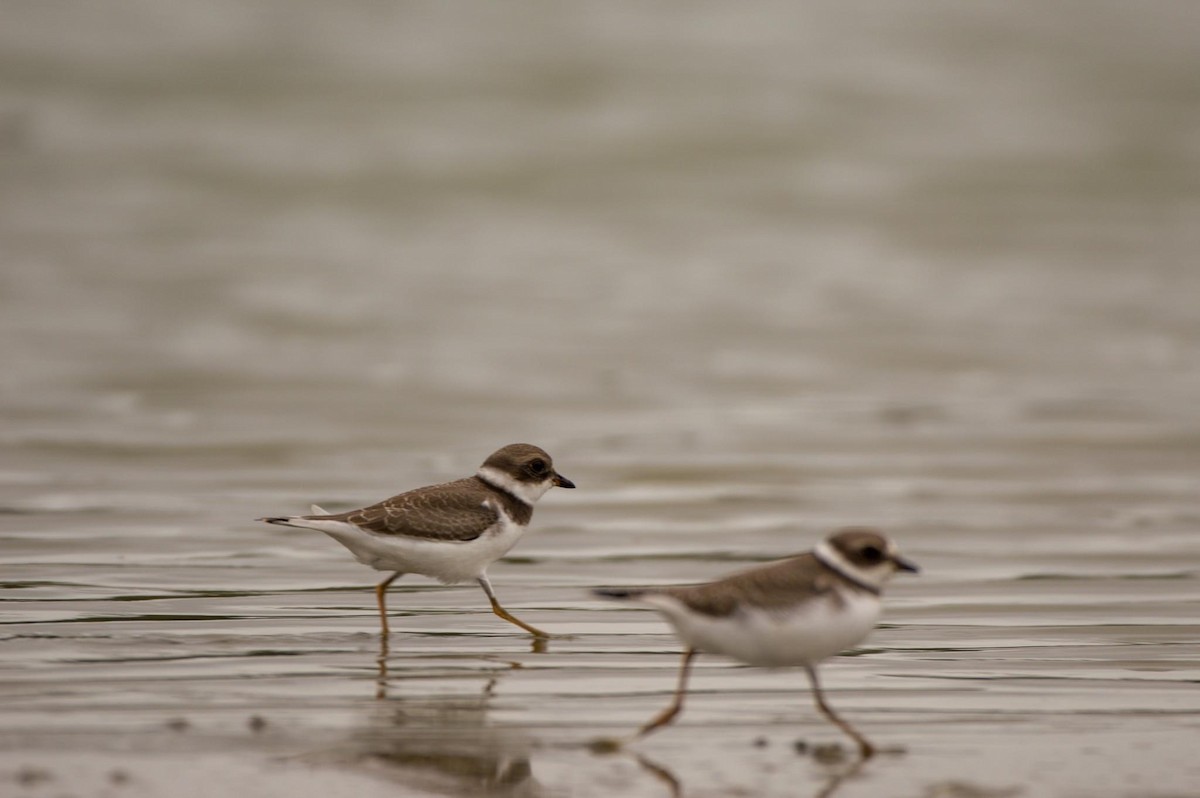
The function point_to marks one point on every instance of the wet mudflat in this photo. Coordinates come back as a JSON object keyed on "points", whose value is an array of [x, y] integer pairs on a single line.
{"points": [[1023, 661], [748, 279]]}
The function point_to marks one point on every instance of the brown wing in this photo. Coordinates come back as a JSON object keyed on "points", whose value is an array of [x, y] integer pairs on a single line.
{"points": [[454, 511], [769, 587]]}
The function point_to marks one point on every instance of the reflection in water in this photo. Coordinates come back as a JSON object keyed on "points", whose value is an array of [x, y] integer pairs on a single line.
{"points": [[442, 742], [382, 677], [836, 776], [661, 773]]}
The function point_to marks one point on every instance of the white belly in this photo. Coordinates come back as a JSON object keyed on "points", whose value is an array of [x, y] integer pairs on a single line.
{"points": [[803, 635], [446, 561]]}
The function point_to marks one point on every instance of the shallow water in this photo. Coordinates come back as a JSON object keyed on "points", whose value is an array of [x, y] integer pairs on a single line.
{"points": [[749, 275]]}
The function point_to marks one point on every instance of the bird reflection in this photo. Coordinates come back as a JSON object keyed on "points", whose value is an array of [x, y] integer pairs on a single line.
{"points": [[840, 775], [382, 678], [662, 773], [442, 741], [835, 776], [381, 664]]}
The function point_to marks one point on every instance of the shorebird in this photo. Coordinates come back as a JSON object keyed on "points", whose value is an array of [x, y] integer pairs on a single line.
{"points": [[452, 531], [795, 612]]}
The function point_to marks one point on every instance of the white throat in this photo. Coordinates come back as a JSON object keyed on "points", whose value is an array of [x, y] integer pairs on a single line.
{"points": [[527, 492], [872, 579]]}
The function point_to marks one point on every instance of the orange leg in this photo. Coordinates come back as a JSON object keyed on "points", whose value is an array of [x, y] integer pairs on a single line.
{"points": [[676, 705], [865, 748], [381, 598], [503, 613]]}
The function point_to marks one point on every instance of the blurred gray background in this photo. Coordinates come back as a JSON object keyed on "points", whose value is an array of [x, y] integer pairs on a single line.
{"points": [[748, 271]]}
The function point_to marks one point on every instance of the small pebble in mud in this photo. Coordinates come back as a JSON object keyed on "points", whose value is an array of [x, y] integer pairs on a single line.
{"points": [[118, 777], [604, 745], [257, 723], [829, 753], [800, 747], [760, 742], [29, 776], [178, 724]]}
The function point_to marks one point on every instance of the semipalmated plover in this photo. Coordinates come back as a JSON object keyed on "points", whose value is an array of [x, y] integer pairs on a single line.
{"points": [[798, 611], [452, 531]]}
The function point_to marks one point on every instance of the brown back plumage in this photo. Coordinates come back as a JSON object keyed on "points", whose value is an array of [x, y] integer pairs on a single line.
{"points": [[774, 586], [460, 510]]}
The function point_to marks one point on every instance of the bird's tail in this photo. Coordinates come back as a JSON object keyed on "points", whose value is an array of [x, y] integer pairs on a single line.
{"points": [[289, 520], [281, 520], [622, 593]]}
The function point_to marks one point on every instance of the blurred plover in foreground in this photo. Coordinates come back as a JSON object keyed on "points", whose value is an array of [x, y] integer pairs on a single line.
{"points": [[452, 531], [798, 611]]}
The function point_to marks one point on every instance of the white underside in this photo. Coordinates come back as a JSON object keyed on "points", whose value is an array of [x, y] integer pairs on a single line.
{"points": [[805, 634], [446, 561]]}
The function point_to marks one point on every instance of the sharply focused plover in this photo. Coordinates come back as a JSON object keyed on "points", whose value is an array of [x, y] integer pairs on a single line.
{"points": [[452, 531]]}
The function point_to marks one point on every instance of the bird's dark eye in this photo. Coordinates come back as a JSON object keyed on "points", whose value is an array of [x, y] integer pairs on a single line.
{"points": [[871, 553], [537, 467]]}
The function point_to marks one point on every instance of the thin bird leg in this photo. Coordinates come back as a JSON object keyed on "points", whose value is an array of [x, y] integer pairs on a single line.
{"points": [[865, 748], [503, 613], [676, 705], [381, 597]]}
